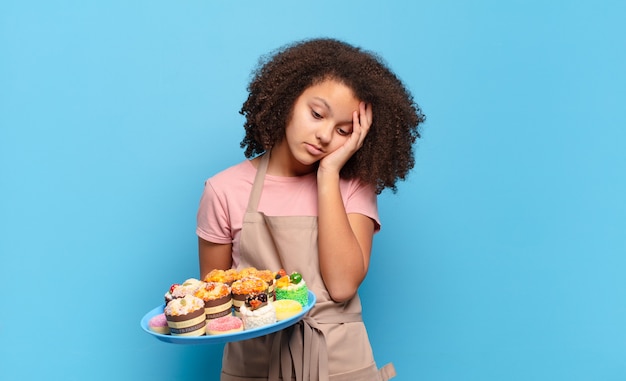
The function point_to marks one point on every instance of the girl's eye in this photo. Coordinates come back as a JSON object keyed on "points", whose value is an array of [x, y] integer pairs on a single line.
{"points": [[316, 115], [342, 132]]}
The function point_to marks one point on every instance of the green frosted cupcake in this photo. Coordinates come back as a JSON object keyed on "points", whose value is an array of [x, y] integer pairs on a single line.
{"points": [[292, 287]]}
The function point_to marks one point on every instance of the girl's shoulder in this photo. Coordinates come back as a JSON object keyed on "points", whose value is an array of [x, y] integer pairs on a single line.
{"points": [[234, 176], [241, 169], [351, 186]]}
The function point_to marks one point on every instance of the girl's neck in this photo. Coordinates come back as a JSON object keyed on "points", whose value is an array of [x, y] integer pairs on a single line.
{"points": [[282, 163]]}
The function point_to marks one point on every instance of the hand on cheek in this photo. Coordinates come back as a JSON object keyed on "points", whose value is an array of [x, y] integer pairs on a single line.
{"points": [[361, 123]]}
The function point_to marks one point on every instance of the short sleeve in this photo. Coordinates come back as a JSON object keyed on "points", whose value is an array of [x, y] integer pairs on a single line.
{"points": [[362, 199], [213, 222]]}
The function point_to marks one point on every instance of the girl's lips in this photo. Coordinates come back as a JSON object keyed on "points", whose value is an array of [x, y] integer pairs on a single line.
{"points": [[313, 150]]}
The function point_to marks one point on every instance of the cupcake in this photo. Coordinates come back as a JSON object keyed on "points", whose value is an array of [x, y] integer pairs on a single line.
{"points": [[245, 287], [217, 299], [270, 278], [168, 295], [158, 324], [257, 311], [292, 287], [245, 272], [188, 287], [185, 316], [286, 308], [224, 325], [222, 276]]}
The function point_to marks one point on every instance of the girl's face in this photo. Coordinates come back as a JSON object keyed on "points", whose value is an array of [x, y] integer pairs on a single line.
{"points": [[320, 123]]}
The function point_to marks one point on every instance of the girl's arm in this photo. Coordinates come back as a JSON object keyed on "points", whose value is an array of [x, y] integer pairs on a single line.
{"points": [[213, 256], [345, 243], [344, 240]]}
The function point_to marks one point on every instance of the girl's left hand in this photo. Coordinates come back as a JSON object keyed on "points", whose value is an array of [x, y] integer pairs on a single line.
{"points": [[361, 123]]}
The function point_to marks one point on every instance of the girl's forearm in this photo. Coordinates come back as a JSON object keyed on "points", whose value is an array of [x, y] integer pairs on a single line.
{"points": [[343, 252]]}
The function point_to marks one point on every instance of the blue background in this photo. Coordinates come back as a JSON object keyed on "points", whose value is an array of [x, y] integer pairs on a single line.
{"points": [[502, 257]]}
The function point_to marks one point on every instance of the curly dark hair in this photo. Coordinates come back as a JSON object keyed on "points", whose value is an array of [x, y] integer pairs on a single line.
{"points": [[283, 75]]}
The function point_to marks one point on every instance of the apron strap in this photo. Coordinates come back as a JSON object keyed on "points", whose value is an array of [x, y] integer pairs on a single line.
{"points": [[257, 187]]}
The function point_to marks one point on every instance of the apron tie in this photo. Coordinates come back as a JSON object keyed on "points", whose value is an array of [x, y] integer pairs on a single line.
{"points": [[301, 349]]}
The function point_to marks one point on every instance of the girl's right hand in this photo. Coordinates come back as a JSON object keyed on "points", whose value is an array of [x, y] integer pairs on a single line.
{"points": [[361, 123]]}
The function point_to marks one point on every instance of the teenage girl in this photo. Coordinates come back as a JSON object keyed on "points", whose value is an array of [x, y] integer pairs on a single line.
{"points": [[328, 127]]}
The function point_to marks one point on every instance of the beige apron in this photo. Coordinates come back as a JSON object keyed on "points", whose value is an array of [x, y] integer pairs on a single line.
{"points": [[300, 351]]}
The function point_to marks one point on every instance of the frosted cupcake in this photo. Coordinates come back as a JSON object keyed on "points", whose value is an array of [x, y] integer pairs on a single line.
{"points": [[222, 276], [245, 272], [188, 287], [245, 287], [257, 311], [292, 287], [185, 316], [217, 299], [168, 295], [270, 278]]}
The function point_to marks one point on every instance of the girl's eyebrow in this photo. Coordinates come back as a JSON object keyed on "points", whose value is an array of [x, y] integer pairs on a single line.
{"points": [[330, 109], [324, 102]]}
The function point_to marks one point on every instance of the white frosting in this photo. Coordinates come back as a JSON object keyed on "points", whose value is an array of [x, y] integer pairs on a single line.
{"points": [[259, 317], [183, 306], [188, 287], [293, 287]]}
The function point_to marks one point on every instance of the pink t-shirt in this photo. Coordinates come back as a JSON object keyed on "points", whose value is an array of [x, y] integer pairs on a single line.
{"points": [[225, 198]]}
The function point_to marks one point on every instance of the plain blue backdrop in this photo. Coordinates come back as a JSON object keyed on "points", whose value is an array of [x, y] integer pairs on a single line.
{"points": [[502, 257]]}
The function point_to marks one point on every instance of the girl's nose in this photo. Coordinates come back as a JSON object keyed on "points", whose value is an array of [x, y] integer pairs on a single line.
{"points": [[324, 133]]}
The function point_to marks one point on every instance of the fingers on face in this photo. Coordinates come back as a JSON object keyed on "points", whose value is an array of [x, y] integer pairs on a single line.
{"points": [[362, 120], [365, 114]]}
